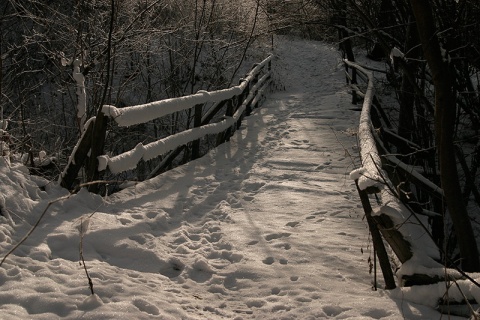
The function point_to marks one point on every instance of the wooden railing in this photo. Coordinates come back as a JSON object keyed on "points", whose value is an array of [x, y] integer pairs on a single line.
{"points": [[237, 102], [396, 216], [407, 208]]}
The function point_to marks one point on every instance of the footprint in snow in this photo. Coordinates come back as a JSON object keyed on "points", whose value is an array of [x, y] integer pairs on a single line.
{"points": [[124, 221], [377, 314], [172, 268], [275, 290], [268, 260], [151, 214], [146, 307], [293, 224], [285, 246], [140, 239], [277, 236], [333, 311]]}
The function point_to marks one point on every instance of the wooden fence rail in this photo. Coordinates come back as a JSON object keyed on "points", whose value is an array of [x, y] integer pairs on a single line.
{"points": [[402, 223], [239, 101]]}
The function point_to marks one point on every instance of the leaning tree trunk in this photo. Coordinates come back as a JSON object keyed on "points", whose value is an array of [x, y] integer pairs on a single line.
{"points": [[445, 115]]}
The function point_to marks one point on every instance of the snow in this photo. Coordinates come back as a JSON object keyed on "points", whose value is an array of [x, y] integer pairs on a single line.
{"points": [[266, 226]]}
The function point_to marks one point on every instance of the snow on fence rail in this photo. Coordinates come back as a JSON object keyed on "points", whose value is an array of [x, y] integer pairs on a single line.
{"points": [[128, 160], [404, 229], [242, 98], [369, 175]]}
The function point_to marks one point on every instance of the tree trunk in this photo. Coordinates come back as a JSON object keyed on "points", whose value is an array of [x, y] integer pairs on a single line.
{"points": [[406, 120], [386, 19], [445, 115], [346, 44]]}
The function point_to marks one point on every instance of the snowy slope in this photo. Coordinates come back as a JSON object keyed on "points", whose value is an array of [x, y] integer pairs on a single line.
{"points": [[267, 226]]}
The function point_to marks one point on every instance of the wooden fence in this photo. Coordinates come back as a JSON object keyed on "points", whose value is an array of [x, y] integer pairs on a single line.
{"points": [[237, 102], [406, 207], [396, 216]]}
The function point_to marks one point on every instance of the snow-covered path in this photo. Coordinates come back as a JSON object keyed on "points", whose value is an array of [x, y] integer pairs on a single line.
{"points": [[267, 226]]}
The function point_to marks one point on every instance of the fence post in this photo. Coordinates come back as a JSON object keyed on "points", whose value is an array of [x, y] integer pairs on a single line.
{"points": [[197, 122], [377, 240], [225, 136], [352, 80], [254, 83], [98, 142], [245, 93]]}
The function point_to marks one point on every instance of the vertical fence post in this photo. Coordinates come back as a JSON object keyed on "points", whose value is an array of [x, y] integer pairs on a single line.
{"points": [[225, 136], [98, 142], [246, 92], [254, 82], [229, 113], [352, 79], [239, 101], [380, 250], [197, 122]]}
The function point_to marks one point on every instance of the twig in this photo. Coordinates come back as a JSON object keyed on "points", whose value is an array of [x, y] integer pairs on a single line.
{"points": [[82, 233], [33, 228]]}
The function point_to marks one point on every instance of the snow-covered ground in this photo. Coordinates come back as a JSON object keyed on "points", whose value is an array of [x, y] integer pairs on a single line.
{"points": [[267, 226]]}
